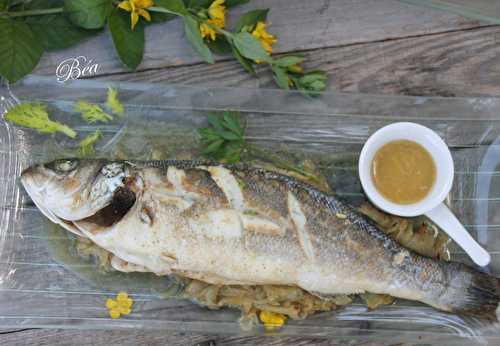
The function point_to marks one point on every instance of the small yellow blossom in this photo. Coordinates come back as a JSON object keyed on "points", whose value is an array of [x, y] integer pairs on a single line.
{"points": [[137, 8], [217, 11], [217, 14], [121, 306], [267, 40], [272, 320], [111, 304], [207, 31]]}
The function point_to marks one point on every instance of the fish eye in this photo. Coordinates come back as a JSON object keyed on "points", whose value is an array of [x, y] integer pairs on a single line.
{"points": [[62, 166]]}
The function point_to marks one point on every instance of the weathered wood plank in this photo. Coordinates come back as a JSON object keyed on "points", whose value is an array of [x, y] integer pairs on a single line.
{"points": [[463, 63], [300, 25], [125, 338]]}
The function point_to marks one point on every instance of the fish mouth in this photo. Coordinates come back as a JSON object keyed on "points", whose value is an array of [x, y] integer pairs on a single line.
{"points": [[68, 225], [122, 201]]}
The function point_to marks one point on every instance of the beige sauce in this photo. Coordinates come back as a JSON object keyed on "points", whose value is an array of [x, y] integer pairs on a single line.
{"points": [[403, 171]]}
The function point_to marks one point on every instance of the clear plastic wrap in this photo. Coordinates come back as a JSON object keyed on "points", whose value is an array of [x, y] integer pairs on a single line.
{"points": [[44, 284]]}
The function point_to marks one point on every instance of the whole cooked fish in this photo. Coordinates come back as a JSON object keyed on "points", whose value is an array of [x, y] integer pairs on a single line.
{"points": [[226, 224]]}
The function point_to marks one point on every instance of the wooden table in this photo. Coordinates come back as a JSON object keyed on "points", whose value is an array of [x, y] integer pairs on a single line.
{"points": [[369, 46]]}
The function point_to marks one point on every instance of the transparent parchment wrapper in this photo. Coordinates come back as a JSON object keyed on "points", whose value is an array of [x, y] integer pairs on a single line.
{"points": [[43, 284]]}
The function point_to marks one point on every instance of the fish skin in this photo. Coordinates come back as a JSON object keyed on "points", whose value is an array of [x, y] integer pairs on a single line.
{"points": [[234, 224]]}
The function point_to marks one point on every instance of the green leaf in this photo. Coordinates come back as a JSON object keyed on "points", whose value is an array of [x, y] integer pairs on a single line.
{"points": [[57, 32], [35, 116], [287, 61], [89, 14], [198, 3], [158, 17], [232, 122], [224, 140], [231, 152], [250, 47], [220, 46], [176, 6], [313, 76], [317, 85], [129, 44], [281, 77], [40, 4], [86, 145], [4, 5], [247, 64], [312, 82], [92, 113], [251, 18], [113, 102], [193, 35], [213, 147], [208, 134], [16, 2], [230, 136], [233, 3], [215, 121], [20, 50]]}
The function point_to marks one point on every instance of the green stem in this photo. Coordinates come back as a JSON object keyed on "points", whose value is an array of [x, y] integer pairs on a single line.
{"points": [[33, 12], [220, 31], [162, 10], [213, 27], [68, 131], [278, 161]]}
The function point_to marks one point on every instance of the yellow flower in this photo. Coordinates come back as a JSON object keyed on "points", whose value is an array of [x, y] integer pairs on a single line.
{"points": [[272, 320], [207, 31], [121, 306], [217, 14], [267, 40], [136, 9], [217, 11]]}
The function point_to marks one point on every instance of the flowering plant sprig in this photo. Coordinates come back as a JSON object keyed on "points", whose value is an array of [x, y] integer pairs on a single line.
{"points": [[249, 42], [28, 28]]}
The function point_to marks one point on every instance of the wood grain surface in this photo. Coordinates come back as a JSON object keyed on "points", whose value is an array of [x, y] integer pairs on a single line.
{"points": [[370, 46], [125, 338], [299, 25], [458, 63]]}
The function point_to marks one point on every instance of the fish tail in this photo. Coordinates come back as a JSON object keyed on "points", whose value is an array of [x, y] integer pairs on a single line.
{"points": [[471, 292]]}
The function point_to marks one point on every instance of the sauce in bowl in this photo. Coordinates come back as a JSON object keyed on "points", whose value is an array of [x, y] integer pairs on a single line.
{"points": [[403, 171]]}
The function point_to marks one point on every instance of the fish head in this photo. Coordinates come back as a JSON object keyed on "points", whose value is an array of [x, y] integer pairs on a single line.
{"points": [[73, 189]]}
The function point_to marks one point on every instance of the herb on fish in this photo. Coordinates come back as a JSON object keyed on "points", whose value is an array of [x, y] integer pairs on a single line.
{"points": [[35, 116], [113, 103], [92, 113], [86, 145], [224, 140], [417, 234]]}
